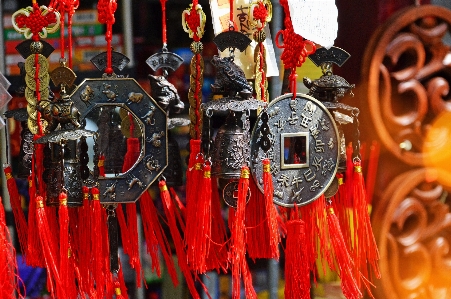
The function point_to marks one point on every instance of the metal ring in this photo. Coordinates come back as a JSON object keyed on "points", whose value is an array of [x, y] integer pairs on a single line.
{"points": [[209, 112]]}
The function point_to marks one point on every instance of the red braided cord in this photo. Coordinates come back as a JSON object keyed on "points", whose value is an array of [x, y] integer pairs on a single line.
{"points": [[262, 70], [106, 9], [35, 21], [196, 97], [231, 12], [163, 19], [294, 45]]}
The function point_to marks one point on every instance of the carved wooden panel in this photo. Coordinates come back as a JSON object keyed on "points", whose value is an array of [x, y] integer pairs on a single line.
{"points": [[412, 225], [407, 72], [407, 69]]}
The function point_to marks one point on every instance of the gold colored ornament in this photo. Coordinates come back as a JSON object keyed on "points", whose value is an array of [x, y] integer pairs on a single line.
{"points": [[43, 84], [30, 68]]}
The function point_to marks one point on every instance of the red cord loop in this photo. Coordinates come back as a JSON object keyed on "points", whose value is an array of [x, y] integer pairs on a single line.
{"points": [[106, 9], [36, 21]]}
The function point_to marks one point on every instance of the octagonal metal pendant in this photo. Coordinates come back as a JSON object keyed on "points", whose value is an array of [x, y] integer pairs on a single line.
{"points": [[304, 149], [126, 97]]}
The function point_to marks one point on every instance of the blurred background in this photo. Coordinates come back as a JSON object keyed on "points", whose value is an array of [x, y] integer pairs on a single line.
{"points": [[400, 62]]}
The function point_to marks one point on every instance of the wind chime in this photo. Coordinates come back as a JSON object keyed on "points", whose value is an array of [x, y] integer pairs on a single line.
{"points": [[288, 176]]}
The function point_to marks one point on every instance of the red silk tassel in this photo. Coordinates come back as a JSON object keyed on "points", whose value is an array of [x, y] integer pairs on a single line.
{"points": [[270, 211], [124, 229], [117, 289], [170, 211], [84, 243], [218, 253], [194, 177], [132, 154], [365, 247], [297, 268], [257, 230], [343, 259], [8, 264], [199, 229], [49, 258], [101, 165], [63, 217], [132, 225], [120, 276], [155, 237], [343, 211], [34, 256], [19, 216], [316, 233], [97, 248], [238, 249], [262, 235]]}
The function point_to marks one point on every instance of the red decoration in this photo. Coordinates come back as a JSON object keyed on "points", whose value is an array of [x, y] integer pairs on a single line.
{"points": [[38, 19]]}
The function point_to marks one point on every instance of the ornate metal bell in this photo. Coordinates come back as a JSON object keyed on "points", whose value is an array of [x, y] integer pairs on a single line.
{"points": [[231, 149], [72, 175]]}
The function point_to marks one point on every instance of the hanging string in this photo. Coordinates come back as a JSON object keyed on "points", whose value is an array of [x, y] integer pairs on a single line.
{"points": [[295, 47], [106, 9], [163, 23]]}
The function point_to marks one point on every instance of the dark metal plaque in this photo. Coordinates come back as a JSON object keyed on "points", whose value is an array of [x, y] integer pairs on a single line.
{"points": [[116, 92], [232, 39], [164, 60], [304, 149], [118, 60], [333, 55], [24, 48]]}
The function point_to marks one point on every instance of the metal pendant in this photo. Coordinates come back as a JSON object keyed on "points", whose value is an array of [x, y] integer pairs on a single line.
{"points": [[111, 94], [304, 149]]}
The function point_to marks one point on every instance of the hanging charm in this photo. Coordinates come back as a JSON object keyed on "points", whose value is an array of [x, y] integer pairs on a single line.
{"points": [[260, 14], [304, 149]]}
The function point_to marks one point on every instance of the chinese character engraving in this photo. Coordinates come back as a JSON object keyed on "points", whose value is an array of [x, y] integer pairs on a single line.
{"points": [[284, 180], [317, 162], [319, 146], [296, 180], [293, 118], [309, 175], [305, 120]]}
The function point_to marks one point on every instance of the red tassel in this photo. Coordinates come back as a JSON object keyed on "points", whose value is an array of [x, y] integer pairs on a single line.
{"points": [[132, 154], [238, 250], [84, 243], [270, 211], [63, 217], [97, 243], [316, 233], [193, 174], [19, 217], [120, 276], [218, 253], [8, 264], [257, 230], [170, 211], [34, 254], [155, 237], [135, 261], [117, 289], [343, 259], [297, 268], [198, 233], [365, 247], [179, 203], [124, 229], [49, 258], [101, 165]]}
